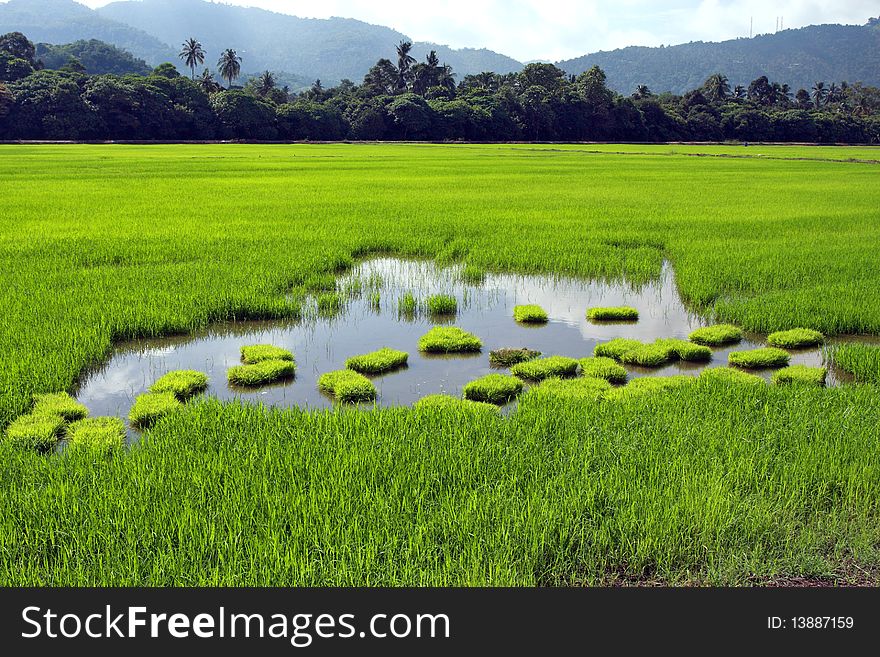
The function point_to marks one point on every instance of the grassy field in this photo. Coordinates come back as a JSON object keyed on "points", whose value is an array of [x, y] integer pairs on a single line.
{"points": [[709, 484]]}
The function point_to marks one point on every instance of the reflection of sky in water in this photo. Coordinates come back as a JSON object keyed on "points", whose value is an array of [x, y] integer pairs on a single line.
{"points": [[323, 345]]}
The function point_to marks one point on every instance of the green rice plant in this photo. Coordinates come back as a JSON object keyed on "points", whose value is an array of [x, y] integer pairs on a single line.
{"points": [[600, 367], [97, 433], [347, 386], [801, 375], [860, 360], [616, 348], [448, 402], [182, 383], [320, 282], [757, 359], [35, 431], [407, 305], [530, 314], [441, 304], [545, 368], [375, 300], [377, 362], [329, 304], [650, 385], [717, 335], [729, 376], [686, 351], [152, 406], [613, 314], [60, 404], [493, 389], [799, 338], [257, 353], [581, 389], [262, 373], [649, 355], [473, 275], [449, 339], [507, 357]]}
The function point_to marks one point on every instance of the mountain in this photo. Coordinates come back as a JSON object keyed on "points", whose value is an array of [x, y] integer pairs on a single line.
{"points": [[329, 49], [97, 57], [800, 57], [65, 21]]}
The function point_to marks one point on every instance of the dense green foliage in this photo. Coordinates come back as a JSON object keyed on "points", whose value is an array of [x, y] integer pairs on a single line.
{"points": [[759, 358], [96, 58], [798, 338], [96, 433], [545, 368], [613, 314], [257, 353], [183, 384], [450, 403], [441, 304], [800, 374], [717, 335], [530, 314], [378, 362], [151, 407], [261, 373], [599, 367], [347, 386], [511, 356], [449, 339], [493, 389], [861, 360], [60, 404]]}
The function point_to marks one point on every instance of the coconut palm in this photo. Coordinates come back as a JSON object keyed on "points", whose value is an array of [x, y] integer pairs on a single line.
{"points": [[207, 82], [265, 84], [192, 55], [820, 93], [642, 91], [229, 65], [404, 63], [717, 87], [834, 94]]}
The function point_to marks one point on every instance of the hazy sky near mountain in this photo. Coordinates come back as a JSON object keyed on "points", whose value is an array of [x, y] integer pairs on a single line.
{"points": [[561, 29]]}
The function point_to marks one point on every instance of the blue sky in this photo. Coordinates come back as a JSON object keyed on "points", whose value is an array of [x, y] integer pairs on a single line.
{"points": [[559, 29]]}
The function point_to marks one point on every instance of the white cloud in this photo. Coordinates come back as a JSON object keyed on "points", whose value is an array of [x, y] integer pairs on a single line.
{"points": [[558, 29]]}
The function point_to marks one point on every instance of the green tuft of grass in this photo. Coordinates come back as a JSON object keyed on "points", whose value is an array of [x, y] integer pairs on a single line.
{"points": [[801, 375], [530, 314], [648, 355], [329, 304], [686, 351], [183, 384], [717, 335], [60, 404], [493, 389], [546, 368], [508, 357], [407, 305], [613, 314], [449, 339], [799, 338], [860, 360], [262, 373], [580, 389], [616, 348], [729, 376], [97, 433], [151, 407], [600, 367], [650, 385], [377, 362], [757, 359], [347, 386], [441, 304], [473, 275], [35, 431], [257, 353], [448, 402]]}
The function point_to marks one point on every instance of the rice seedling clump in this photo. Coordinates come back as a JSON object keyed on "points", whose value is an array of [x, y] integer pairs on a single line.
{"points": [[508, 357], [448, 402], [580, 389], [798, 338], [648, 355], [257, 353], [473, 275], [650, 386], [860, 360], [801, 375], [545, 368], [716, 336], [685, 350], [449, 339], [151, 407], [347, 386], [99, 433], [183, 384], [530, 314], [60, 404], [441, 304], [377, 362], [407, 305], [329, 304], [493, 388], [759, 358], [616, 348], [613, 314], [729, 376], [262, 373], [35, 431], [600, 367]]}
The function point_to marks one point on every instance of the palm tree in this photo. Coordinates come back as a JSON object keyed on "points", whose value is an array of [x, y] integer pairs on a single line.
{"points": [[404, 63], [229, 65], [739, 91], [717, 87], [819, 93], [833, 94], [192, 55], [265, 84], [642, 91], [207, 83]]}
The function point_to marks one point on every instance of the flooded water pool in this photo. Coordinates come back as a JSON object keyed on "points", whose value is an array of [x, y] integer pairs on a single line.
{"points": [[322, 344]]}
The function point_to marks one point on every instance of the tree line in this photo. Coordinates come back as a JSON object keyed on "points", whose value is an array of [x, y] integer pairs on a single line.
{"points": [[403, 99]]}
